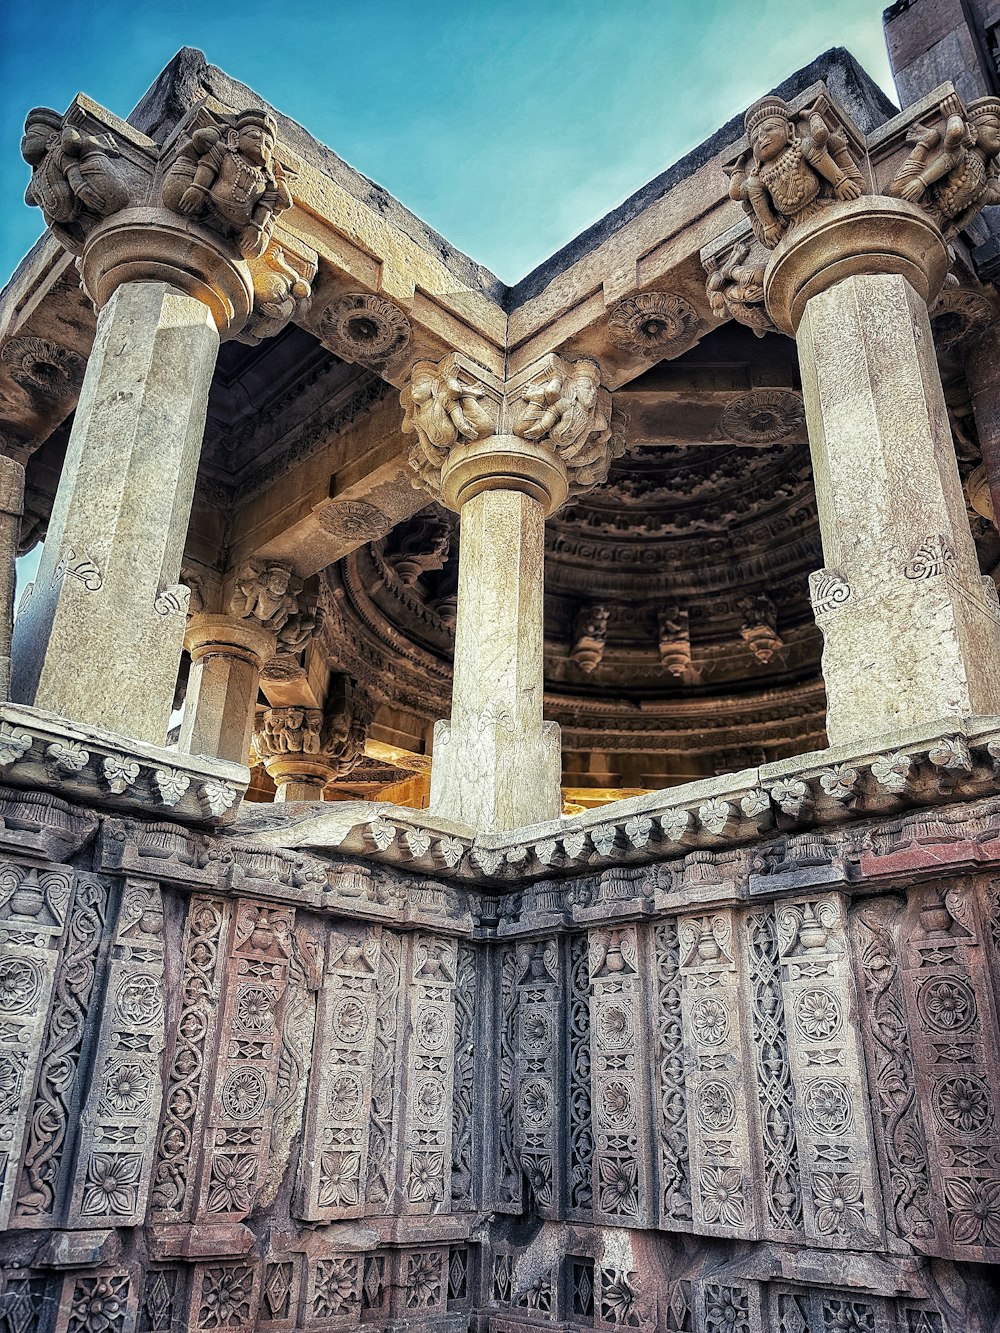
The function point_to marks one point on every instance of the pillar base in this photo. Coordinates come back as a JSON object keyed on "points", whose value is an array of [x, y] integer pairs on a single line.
{"points": [[492, 777]]}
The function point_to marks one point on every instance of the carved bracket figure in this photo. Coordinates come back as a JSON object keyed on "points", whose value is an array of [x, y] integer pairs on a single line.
{"points": [[74, 180], [443, 406], [952, 170], [225, 174], [735, 288], [796, 164], [266, 592]]}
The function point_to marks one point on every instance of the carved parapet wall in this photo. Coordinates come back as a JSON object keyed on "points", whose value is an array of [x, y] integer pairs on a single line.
{"points": [[747, 1081]]}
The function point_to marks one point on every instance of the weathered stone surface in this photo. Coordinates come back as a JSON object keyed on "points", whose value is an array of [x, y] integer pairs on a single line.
{"points": [[116, 537]]}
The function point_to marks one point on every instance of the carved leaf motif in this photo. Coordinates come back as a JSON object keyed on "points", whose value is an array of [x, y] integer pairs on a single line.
{"points": [[216, 797], [67, 756], [383, 833], [573, 844], [119, 773], [14, 744], [170, 784], [638, 830], [418, 842], [675, 823], [452, 850]]}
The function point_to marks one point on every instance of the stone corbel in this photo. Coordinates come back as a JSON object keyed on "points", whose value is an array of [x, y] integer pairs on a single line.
{"points": [[735, 264]]}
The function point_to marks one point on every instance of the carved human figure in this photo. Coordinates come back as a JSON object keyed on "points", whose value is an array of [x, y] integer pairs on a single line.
{"points": [[565, 405], [952, 170], [264, 593], [281, 293], [227, 174], [442, 406], [794, 164], [590, 633], [289, 731], [421, 547], [736, 290], [72, 172]]}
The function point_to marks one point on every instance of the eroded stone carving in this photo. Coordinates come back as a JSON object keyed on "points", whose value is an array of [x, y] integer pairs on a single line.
{"points": [[760, 627], [674, 639], [225, 174], [282, 292], [797, 161], [42, 367], [364, 327], [266, 593], [420, 546], [74, 180], [563, 403], [443, 405], [590, 632], [735, 288], [653, 324], [952, 170]]}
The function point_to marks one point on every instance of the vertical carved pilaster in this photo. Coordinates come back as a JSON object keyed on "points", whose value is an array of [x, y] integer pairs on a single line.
{"points": [[781, 1216], [718, 1106], [382, 1127], [32, 922], [621, 1173], [50, 1123], [463, 1136], [185, 1108], [122, 1110], [333, 1165], [901, 1141], [953, 1022], [538, 1077], [674, 1165], [840, 1204], [237, 1136], [580, 1135], [509, 1186], [427, 1096]]}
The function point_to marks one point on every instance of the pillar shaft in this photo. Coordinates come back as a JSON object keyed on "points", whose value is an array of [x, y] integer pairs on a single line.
{"points": [[11, 509], [99, 639], [227, 654], [912, 636], [497, 764]]}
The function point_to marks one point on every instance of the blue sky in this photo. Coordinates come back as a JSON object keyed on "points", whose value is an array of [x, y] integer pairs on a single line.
{"points": [[509, 126]]}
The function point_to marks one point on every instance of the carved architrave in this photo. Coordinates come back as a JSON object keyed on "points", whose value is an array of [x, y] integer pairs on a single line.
{"points": [[120, 1117]]}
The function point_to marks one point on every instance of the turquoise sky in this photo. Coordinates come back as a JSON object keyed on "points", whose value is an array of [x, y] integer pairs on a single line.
{"points": [[508, 126]]}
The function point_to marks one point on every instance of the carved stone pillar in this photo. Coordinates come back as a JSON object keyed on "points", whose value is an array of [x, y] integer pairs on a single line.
{"points": [[504, 456], [911, 629], [228, 652], [100, 637]]}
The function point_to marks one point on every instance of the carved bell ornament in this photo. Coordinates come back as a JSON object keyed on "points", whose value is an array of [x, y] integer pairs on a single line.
{"points": [[198, 214]]}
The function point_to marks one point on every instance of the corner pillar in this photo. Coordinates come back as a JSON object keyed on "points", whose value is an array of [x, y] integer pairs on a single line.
{"points": [[911, 629]]}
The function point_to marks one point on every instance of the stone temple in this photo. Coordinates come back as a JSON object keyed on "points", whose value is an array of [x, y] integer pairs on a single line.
{"points": [[500, 794]]}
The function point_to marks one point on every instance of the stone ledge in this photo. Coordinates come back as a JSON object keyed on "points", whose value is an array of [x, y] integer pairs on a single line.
{"points": [[41, 750], [951, 762]]}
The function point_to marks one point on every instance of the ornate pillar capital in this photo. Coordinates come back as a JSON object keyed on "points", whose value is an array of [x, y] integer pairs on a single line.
{"points": [[198, 214], [831, 206], [303, 749], [546, 432]]}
